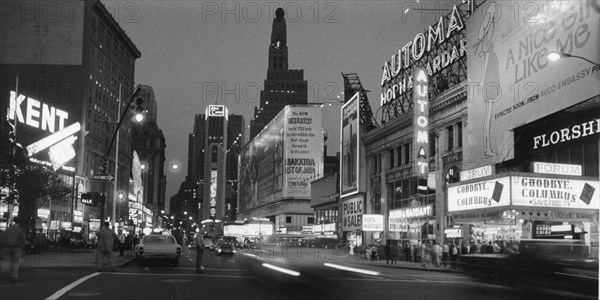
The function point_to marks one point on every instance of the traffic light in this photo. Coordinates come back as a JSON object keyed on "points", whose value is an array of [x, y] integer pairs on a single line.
{"points": [[138, 107]]}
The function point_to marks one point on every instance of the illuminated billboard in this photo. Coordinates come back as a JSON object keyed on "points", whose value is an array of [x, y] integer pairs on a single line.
{"points": [[512, 82], [526, 190], [283, 158], [46, 131], [421, 121], [350, 147]]}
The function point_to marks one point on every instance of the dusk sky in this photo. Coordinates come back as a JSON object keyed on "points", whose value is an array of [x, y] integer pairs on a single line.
{"points": [[189, 48]]}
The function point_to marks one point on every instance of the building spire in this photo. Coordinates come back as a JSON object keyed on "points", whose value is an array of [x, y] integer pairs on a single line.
{"points": [[278, 55]]}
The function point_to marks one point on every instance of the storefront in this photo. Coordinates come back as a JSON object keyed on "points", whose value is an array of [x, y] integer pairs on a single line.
{"points": [[412, 225], [510, 207]]}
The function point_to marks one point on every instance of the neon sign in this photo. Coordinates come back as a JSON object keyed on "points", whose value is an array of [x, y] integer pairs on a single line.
{"points": [[414, 50], [421, 121]]}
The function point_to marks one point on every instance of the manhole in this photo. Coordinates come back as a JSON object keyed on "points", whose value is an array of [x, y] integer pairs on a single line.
{"points": [[85, 294], [177, 280]]}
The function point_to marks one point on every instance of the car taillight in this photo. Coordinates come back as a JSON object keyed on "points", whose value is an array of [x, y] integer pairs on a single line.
{"points": [[140, 250], [178, 250]]}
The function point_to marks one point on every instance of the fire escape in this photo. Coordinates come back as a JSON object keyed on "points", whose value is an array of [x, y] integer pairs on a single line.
{"points": [[352, 85]]}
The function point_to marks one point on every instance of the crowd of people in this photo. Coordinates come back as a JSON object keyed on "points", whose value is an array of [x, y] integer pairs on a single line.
{"points": [[430, 253]]}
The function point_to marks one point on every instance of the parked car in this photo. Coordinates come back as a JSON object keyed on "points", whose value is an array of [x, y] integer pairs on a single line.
{"points": [[155, 246]]}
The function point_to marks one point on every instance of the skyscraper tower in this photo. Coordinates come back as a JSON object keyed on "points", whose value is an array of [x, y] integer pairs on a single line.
{"points": [[213, 150], [282, 86]]}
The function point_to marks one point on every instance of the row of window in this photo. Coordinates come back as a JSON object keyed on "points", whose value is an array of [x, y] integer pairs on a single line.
{"points": [[110, 45], [401, 155]]}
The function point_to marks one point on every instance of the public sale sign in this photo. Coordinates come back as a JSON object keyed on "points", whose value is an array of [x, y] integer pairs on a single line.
{"points": [[352, 213]]}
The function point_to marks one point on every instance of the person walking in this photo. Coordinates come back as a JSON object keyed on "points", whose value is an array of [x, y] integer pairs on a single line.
{"points": [[15, 242], [106, 238], [387, 250], [446, 254], [437, 254], [407, 252], [454, 255], [121, 243], [199, 240], [425, 254]]}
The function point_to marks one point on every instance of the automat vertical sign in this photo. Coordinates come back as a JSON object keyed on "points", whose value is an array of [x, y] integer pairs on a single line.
{"points": [[421, 121]]}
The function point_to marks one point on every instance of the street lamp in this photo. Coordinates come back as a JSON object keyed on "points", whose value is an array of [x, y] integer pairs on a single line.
{"points": [[116, 135], [556, 55]]}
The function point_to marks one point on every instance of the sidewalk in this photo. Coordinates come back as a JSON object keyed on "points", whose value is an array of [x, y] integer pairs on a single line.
{"points": [[66, 258], [358, 259]]}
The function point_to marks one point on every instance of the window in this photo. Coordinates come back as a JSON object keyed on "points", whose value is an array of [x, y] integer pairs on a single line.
{"points": [[288, 219], [406, 153], [450, 132], [311, 220], [432, 144], [214, 154], [392, 159], [399, 155]]}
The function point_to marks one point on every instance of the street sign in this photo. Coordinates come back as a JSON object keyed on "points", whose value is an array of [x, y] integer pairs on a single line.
{"points": [[103, 177]]}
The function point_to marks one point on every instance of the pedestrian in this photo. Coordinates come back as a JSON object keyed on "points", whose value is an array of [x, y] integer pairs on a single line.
{"points": [[425, 254], [394, 253], [15, 242], [199, 252], [121, 243], [454, 254], [387, 250], [445, 254], [416, 257], [407, 252], [106, 238], [437, 254]]}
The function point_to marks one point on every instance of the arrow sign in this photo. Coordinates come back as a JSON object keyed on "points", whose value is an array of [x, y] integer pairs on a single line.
{"points": [[103, 177]]}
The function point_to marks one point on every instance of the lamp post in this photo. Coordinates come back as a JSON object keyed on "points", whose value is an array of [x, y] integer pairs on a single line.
{"points": [[116, 135], [556, 55]]}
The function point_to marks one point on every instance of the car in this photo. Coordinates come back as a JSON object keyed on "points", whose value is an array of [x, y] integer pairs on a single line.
{"points": [[159, 247], [225, 248]]}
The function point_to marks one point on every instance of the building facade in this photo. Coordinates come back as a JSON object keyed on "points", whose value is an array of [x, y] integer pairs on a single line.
{"points": [[77, 73]]}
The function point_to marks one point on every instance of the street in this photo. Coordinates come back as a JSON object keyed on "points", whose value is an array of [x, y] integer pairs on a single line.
{"points": [[250, 274]]}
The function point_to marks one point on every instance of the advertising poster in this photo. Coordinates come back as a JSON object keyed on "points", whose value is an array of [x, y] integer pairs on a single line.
{"points": [[352, 213], [261, 166], [477, 195], [349, 140], [372, 223], [555, 192], [282, 159], [303, 150], [512, 82]]}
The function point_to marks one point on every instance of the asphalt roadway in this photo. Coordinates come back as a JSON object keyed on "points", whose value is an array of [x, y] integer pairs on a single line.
{"points": [[268, 273]]}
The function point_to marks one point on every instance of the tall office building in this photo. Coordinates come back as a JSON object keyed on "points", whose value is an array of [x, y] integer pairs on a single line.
{"points": [[212, 157], [72, 69], [149, 143], [282, 86]]}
